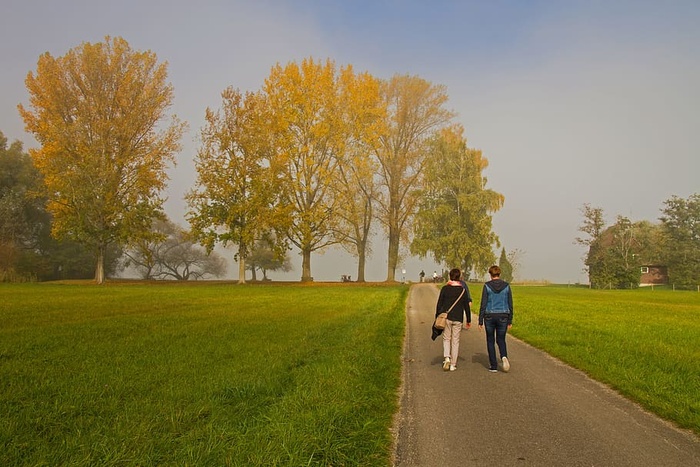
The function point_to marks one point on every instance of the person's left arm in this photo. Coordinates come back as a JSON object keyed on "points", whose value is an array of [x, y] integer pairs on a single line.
{"points": [[466, 304], [467, 296], [510, 306]]}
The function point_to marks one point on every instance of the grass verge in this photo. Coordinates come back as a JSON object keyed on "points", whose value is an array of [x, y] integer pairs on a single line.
{"points": [[198, 375], [643, 343]]}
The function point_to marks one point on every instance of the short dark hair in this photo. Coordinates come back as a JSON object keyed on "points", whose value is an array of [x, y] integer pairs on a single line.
{"points": [[494, 271], [455, 274]]}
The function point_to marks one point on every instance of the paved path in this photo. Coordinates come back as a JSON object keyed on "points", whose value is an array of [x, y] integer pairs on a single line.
{"points": [[545, 413]]}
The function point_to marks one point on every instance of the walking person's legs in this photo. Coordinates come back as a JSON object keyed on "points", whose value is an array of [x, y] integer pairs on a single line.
{"points": [[450, 344], [446, 345], [454, 343], [501, 331], [490, 326]]}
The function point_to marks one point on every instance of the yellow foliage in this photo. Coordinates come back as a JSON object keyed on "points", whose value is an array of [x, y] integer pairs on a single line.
{"points": [[323, 121], [415, 109], [98, 114], [237, 193]]}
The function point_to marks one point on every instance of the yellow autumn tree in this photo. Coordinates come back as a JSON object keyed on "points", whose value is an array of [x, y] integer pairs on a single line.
{"points": [[98, 113], [309, 135], [364, 117], [238, 192], [415, 110]]}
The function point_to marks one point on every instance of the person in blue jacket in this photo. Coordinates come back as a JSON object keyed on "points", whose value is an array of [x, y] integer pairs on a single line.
{"points": [[496, 313]]}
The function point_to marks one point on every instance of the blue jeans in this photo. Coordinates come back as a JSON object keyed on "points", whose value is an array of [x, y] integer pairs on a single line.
{"points": [[496, 329]]}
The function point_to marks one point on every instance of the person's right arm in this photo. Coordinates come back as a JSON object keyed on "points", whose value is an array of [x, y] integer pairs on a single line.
{"points": [[438, 305], [482, 305]]}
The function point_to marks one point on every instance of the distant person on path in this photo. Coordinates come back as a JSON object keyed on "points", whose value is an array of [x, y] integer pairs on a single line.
{"points": [[496, 312], [455, 296], [435, 276], [422, 275]]}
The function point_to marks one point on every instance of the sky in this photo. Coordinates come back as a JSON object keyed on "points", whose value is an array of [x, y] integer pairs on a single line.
{"points": [[570, 101]]}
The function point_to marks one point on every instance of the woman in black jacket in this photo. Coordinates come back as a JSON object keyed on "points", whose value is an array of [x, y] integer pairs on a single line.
{"points": [[455, 297]]}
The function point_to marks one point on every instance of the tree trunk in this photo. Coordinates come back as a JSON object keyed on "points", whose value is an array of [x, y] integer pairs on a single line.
{"points": [[241, 270], [361, 260], [306, 266], [100, 269], [393, 259]]}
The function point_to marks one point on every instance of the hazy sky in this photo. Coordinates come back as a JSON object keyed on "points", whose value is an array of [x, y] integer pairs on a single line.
{"points": [[571, 102]]}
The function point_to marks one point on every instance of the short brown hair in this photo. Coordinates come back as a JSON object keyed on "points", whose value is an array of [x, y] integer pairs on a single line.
{"points": [[455, 274], [494, 271]]}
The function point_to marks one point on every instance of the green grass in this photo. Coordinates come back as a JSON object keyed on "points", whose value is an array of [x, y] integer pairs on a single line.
{"points": [[198, 374], [643, 343], [220, 374]]}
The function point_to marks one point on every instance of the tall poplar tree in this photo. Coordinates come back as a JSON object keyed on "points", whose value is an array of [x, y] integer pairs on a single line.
{"points": [[414, 112], [307, 125], [238, 192], [506, 267], [98, 113], [364, 117]]}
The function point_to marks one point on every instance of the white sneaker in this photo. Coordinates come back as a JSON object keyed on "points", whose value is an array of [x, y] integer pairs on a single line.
{"points": [[453, 367], [446, 364], [506, 364]]}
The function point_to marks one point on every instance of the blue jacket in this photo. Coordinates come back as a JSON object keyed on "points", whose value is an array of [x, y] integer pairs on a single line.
{"points": [[496, 301]]}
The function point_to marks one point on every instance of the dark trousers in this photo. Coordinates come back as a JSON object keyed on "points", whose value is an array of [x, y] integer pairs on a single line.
{"points": [[496, 329]]}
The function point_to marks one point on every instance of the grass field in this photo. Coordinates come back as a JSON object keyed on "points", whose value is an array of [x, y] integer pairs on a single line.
{"points": [[221, 374], [198, 374], [643, 343]]}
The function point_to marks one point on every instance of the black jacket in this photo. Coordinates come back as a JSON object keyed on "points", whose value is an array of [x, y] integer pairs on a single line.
{"points": [[448, 296]]}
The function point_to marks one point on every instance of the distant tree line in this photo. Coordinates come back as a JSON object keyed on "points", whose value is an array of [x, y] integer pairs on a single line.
{"points": [[318, 156], [617, 252], [28, 252]]}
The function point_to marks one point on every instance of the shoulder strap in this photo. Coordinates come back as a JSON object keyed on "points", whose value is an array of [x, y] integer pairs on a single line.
{"points": [[458, 299]]}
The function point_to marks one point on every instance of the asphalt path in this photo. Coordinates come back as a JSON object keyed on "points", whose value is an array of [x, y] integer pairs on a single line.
{"points": [[541, 413]]}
